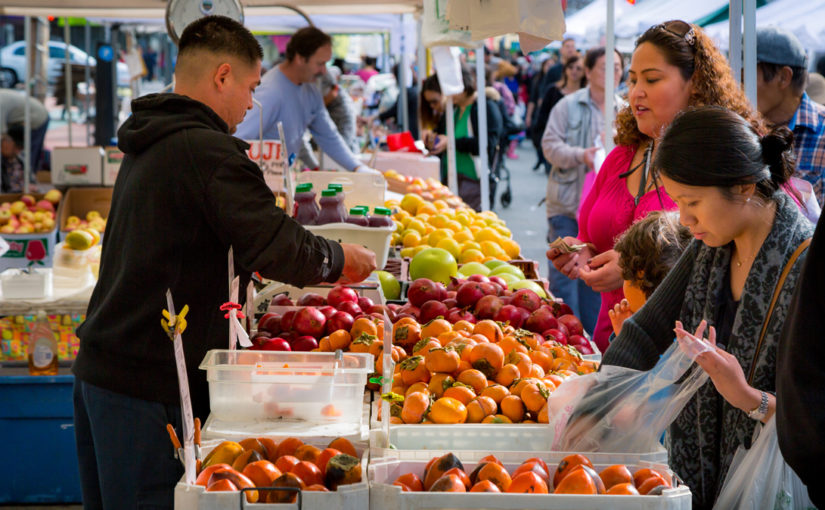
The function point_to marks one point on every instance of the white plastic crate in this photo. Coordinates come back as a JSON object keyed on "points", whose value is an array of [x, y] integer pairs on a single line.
{"points": [[306, 388], [359, 188], [383, 495], [17, 284], [347, 497], [375, 239]]}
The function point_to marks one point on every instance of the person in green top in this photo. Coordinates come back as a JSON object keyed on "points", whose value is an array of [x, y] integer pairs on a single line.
{"points": [[466, 128]]}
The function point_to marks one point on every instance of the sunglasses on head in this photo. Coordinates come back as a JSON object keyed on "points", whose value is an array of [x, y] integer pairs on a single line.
{"points": [[680, 29]]}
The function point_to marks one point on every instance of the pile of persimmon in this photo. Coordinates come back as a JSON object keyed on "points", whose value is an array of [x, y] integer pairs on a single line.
{"points": [[574, 475], [476, 373], [262, 462]]}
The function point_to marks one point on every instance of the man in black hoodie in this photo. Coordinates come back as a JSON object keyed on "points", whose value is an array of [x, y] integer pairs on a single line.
{"points": [[185, 194]]}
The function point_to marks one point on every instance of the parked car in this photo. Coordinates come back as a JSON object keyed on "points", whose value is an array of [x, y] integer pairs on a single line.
{"points": [[13, 63]]}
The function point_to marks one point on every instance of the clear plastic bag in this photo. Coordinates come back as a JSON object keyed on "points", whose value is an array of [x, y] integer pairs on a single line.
{"points": [[623, 410], [759, 478]]}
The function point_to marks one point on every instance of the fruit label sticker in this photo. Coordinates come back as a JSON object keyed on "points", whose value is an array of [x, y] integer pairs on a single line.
{"points": [[33, 250], [271, 157]]}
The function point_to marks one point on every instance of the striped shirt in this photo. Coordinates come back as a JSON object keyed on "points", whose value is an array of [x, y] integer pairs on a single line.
{"points": [[808, 126]]}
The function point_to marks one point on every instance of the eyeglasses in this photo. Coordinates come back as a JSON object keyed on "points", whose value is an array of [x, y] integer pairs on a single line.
{"points": [[680, 29]]}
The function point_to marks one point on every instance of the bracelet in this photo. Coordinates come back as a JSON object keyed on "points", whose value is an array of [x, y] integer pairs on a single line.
{"points": [[761, 411]]}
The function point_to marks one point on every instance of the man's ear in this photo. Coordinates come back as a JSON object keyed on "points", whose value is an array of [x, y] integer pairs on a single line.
{"points": [[785, 75], [222, 75]]}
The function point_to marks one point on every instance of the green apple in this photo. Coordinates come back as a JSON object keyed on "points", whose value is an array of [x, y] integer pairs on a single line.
{"points": [[471, 268], [513, 270], [389, 285], [528, 284], [509, 279], [436, 264], [494, 263]]}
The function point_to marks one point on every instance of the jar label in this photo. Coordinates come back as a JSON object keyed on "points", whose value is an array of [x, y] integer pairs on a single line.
{"points": [[42, 356]]}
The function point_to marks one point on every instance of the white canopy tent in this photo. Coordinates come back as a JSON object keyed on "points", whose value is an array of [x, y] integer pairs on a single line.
{"points": [[805, 19], [587, 25], [630, 25]]}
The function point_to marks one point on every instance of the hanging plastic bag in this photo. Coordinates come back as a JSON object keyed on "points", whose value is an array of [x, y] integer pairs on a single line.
{"points": [[435, 28], [537, 22], [622, 410], [759, 478]]}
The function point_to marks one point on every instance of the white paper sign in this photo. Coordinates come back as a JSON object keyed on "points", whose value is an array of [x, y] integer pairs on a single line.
{"points": [[448, 69], [271, 157], [237, 334], [187, 416]]}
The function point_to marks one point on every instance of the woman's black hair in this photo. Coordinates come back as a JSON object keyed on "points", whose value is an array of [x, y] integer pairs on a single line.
{"points": [[429, 117], [713, 146], [469, 81]]}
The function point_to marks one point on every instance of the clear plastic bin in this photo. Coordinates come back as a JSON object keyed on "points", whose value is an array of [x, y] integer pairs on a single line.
{"points": [[311, 387], [68, 258]]}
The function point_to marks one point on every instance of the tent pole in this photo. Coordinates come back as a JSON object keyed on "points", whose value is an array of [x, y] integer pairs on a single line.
{"points": [[67, 38], [749, 63], [88, 33], [27, 115], [481, 102], [735, 39], [609, 78], [403, 100], [452, 177]]}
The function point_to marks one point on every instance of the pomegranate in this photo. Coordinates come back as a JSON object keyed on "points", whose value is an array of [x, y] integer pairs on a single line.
{"points": [[527, 299], [560, 308], [451, 294], [459, 314], [423, 290], [455, 283], [287, 320], [450, 302], [350, 307], [431, 310], [382, 309], [442, 289], [260, 338], [287, 335], [489, 289], [487, 307], [409, 309], [281, 300], [480, 278], [498, 280], [393, 306], [310, 321], [584, 348], [327, 310], [270, 323], [311, 299], [304, 343], [276, 344], [339, 320], [365, 303], [341, 294], [513, 315], [573, 324], [469, 293], [555, 335], [540, 320]]}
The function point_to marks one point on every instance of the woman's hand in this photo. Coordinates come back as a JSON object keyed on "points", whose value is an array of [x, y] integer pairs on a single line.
{"points": [[602, 272], [620, 313], [439, 144], [569, 264], [724, 370]]}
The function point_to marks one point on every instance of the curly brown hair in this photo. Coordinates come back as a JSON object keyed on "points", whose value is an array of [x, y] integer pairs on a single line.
{"points": [[649, 249], [713, 81]]}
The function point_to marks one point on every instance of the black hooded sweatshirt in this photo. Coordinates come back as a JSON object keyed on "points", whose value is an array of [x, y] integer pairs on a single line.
{"points": [[185, 193]]}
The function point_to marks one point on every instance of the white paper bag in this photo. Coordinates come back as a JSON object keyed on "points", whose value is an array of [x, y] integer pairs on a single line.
{"points": [[448, 68], [435, 28], [537, 22]]}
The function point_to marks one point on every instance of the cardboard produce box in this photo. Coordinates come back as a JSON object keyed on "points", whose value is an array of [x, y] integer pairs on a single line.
{"points": [[112, 159], [77, 166], [80, 201], [34, 249]]}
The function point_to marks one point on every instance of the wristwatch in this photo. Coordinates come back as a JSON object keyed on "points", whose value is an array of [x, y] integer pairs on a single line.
{"points": [[761, 411]]}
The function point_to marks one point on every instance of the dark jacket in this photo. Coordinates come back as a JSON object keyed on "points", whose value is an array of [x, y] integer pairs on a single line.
{"points": [[495, 128], [185, 193]]}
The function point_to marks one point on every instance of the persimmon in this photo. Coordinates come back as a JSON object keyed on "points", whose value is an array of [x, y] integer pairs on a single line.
{"points": [[480, 408], [534, 396], [460, 392], [540, 462], [439, 382], [528, 482], [576, 482], [323, 458], [448, 410], [363, 325], [307, 472], [562, 364], [485, 486], [623, 489], [397, 355], [415, 408], [271, 448], [262, 473], [317, 487], [543, 414], [419, 387], [492, 458], [474, 378], [488, 358], [252, 443], [339, 339], [554, 378], [425, 346], [597, 481], [308, 453], [496, 474], [463, 325], [567, 464], [614, 475], [541, 359], [497, 392], [435, 327], [479, 338], [412, 481], [511, 344], [245, 458], [438, 466], [536, 372], [285, 463], [289, 480], [343, 445], [517, 388], [490, 329], [532, 467], [448, 336], [442, 360], [652, 482], [497, 418], [521, 360], [203, 476], [404, 488], [448, 483], [508, 374], [362, 343], [223, 485], [407, 335], [513, 408], [323, 345], [288, 446], [413, 370], [461, 476]]}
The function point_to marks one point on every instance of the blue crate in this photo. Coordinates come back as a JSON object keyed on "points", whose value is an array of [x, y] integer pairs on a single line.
{"points": [[37, 426]]}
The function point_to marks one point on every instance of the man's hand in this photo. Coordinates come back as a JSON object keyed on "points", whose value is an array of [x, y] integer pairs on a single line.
{"points": [[364, 169], [359, 262], [590, 157]]}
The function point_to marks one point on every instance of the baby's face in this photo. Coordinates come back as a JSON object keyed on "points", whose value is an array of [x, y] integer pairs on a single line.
{"points": [[634, 295]]}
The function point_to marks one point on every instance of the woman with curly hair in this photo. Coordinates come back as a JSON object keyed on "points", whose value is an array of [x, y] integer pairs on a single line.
{"points": [[674, 66]]}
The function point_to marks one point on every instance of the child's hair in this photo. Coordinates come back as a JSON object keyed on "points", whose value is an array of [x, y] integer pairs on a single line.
{"points": [[650, 248]]}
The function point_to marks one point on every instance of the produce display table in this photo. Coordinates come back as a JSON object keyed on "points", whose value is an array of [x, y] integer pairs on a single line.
{"points": [[36, 422], [69, 299]]}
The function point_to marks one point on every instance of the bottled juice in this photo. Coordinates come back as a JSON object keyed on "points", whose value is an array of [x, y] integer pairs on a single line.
{"points": [[330, 208], [381, 217], [339, 189], [306, 209], [358, 216], [42, 348]]}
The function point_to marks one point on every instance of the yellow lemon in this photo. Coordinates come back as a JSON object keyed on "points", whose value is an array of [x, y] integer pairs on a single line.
{"points": [[454, 226], [407, 253], [398, 226], [395, 239], [471, 255], [420, 248], [391, 203], [511, 247], [487, 234], [503, 231], [426, 208], [400, 215], [406, 221], [417, 225], [451, 245], [410, 202], [438, 235], [439, 221], [470, 245], [440, 205], [94, 233], [492, 249], [79, 240], [463, 219], [463, 236], [423, 217], [411, 239]]}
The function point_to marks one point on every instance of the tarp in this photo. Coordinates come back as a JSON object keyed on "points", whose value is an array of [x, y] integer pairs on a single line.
{"points": [[806, 19]]}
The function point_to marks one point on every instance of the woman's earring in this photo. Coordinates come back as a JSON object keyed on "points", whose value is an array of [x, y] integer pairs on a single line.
{"points": [[748, 199]]}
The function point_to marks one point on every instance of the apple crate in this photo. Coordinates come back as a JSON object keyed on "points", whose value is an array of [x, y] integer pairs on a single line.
{"points": [[307, 388], [530, 268], [384, 495], [375, 239], [347, 497]]}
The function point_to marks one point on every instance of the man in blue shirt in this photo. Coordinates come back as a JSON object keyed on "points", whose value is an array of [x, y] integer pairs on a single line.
{"points": [[780, 88], [288, 94]]}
